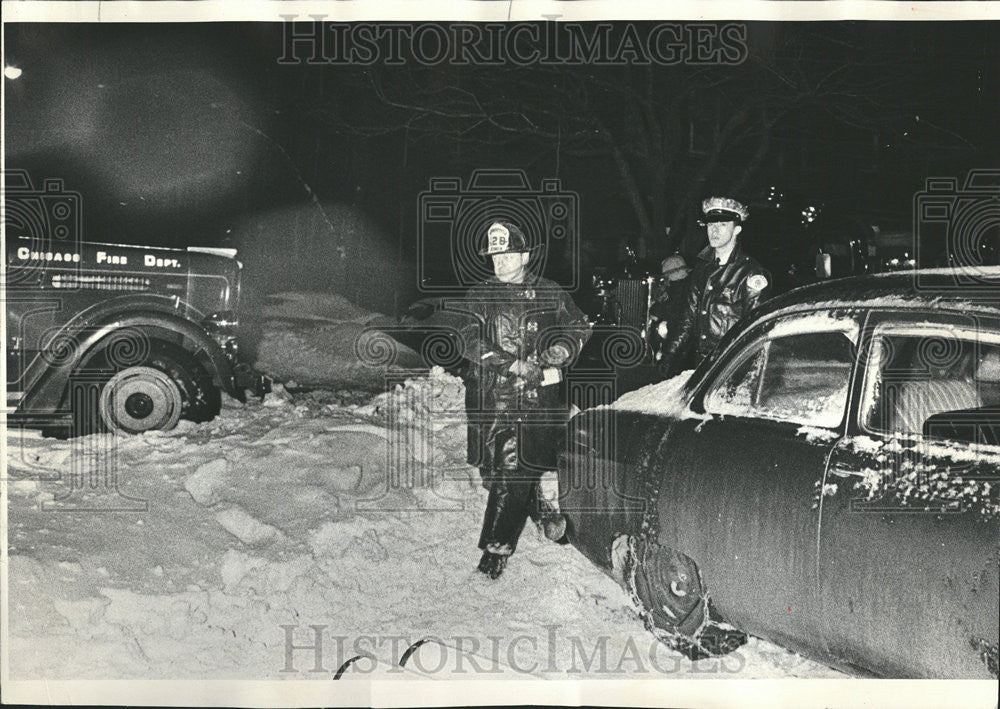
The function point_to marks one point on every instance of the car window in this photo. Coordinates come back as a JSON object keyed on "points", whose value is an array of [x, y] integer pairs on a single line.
{"points": [[801, 378], [939, 384]]}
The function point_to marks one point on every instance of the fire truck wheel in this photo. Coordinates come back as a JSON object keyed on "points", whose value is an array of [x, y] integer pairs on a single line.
{"points": [[140, 399], [153, 394]]}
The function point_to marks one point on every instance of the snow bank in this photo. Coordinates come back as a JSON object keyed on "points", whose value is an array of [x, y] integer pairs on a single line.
{"points": [[270, 520], [315, 306], [426, 414], [322, 355], [245, 527], [207, 481]]}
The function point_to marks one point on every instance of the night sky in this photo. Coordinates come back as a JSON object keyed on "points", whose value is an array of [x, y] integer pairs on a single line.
{"points": [[196, 134]]}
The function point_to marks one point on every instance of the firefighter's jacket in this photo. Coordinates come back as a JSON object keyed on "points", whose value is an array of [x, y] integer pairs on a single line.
{"points": [[535, 321]]}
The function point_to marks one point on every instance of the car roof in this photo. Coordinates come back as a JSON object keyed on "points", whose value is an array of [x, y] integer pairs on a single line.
{"points": [[962, 290]]}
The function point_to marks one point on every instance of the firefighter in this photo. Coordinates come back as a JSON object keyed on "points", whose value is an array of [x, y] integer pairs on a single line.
{"points": [[724, 286], [526, 332]]}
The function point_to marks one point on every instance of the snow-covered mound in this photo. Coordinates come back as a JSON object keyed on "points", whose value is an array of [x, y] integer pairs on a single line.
{"points": [[315, 305], [312, 338]]}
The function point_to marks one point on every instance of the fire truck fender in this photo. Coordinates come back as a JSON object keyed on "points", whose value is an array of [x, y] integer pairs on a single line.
{"points": [[132, 332]]}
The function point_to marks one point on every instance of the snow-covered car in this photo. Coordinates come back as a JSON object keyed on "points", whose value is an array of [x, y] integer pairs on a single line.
{"points": [[829, 477]]}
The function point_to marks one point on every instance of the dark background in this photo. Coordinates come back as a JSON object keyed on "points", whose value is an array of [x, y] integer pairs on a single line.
{"points": [[195, 134]]}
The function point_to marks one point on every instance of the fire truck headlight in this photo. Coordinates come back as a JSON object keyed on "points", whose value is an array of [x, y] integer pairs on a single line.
{"points": [[661, 329], [222, 327]]}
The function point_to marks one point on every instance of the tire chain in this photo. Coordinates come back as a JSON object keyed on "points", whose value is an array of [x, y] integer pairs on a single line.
{"points": [[690, 646]]}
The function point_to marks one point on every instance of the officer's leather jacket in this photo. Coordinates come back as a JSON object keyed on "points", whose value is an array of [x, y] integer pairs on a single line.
{"points": [[718, 296]]}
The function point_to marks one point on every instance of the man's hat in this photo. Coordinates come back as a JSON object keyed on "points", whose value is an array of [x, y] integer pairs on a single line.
{"points": [[505, 238], [723, 209], [674, 267]]}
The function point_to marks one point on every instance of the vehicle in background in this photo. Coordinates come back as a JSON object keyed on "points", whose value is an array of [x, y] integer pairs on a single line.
{"points": [[622, 298], [804, 244], [894, 250]]}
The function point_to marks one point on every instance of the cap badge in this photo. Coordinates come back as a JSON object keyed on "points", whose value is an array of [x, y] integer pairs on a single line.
{"points": [[498, 239]]}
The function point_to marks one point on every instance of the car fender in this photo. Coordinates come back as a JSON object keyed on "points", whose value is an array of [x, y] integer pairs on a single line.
{"points": [[609, 477], [49, 373]]}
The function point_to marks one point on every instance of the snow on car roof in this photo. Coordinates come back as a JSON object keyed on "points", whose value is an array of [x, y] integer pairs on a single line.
{"points": [[949, 289], [961, 271]]}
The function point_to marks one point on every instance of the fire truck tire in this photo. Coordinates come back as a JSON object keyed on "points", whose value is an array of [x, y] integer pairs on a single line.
{"points": [[139, 399], [168, 384]]}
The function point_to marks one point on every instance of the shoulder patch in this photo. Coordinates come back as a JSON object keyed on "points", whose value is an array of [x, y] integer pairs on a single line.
{"points": [[757, 282]]}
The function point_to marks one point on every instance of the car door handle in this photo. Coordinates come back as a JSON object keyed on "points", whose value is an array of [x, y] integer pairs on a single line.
{"points": [[843, 470]]}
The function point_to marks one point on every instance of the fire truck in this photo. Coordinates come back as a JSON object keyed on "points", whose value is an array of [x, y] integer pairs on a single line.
{"points": [[114, 337]]}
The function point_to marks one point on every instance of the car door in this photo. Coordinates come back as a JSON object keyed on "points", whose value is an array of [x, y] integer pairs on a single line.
{"points": [[909, 535], [739, 489]]}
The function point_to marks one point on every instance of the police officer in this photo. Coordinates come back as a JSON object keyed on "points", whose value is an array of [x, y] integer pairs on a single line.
{"points": [[724, 286], [526, 332]]}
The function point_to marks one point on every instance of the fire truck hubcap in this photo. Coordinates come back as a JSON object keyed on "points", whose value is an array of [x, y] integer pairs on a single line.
{"points": [[140, 399]]}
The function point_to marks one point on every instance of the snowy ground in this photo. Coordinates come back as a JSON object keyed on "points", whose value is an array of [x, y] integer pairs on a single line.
{"points": [[324, 512]]}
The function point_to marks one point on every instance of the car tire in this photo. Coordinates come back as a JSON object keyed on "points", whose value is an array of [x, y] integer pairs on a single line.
{"points": [[675, 606], [164, 384], [670, 588]]}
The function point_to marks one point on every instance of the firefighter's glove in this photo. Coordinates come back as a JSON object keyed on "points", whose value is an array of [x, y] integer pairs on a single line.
{"points": [[528, 374], [556, 355]]}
